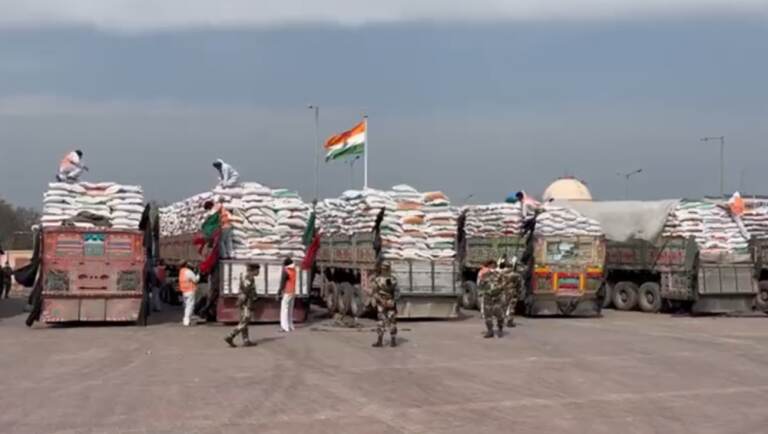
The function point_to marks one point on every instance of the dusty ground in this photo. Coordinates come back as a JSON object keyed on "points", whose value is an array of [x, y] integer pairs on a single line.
{"points": [[623, 373]]}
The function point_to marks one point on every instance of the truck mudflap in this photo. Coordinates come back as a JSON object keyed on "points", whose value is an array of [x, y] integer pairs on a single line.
{"points": [[725, 289], [265, 310], [414, 306], [118, 308]]}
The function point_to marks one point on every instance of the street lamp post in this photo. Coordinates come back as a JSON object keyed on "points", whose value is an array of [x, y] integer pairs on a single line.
{"points": [[722, 160], [317, 149], [626, 176]]}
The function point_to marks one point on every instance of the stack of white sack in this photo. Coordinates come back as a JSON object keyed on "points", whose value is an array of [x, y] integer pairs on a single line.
{"points": [[267, 224], [713, 228], [493, 220], [115, 205], [558, 221], [506, 220], [414, 226]]}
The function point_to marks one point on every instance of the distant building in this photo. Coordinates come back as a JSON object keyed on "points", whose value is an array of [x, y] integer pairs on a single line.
{"points": [[567, 188]]}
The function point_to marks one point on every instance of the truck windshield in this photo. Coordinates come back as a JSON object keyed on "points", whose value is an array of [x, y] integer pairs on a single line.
{"points": [[567, 251]]}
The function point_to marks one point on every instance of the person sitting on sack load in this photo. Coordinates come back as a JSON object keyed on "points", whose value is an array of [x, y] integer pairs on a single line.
{"points": [[71, 167], [228, 176]]}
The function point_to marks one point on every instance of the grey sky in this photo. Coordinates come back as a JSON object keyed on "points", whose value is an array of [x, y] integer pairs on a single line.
{"points": [[467, 107]]}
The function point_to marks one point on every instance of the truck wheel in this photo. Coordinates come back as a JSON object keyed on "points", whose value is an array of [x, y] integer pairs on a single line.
{"points": [[330, 297], [358, 304], [625, 295], [469, 296], [608, 296], [649, 297], [345, 298], [761, 301]]}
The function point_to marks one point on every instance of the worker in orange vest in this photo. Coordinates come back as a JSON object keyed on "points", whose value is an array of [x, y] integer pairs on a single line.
{"points": [[288, 293], [487, 266], [188, 287], [736, 209], [71, 167]]}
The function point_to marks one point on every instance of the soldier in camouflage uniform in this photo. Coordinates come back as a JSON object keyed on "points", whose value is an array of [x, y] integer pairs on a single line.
{"points": [[244, 302], [384, 293], [499, 288]]}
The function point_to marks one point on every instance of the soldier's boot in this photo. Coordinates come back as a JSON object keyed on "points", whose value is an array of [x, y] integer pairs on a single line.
{"points": [[489, 332], [230, 340], [511, 322], [500, 330], [379, 342], [393, 341], [249, 343]]}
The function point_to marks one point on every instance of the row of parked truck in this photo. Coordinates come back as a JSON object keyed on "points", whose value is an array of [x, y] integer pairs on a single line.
{"points": [[103, 275]]}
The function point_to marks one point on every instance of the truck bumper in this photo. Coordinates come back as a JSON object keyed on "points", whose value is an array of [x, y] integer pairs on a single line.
{"points": [[265, 310], [118, 308], [427, 306], [724, 304], [549, 305]]}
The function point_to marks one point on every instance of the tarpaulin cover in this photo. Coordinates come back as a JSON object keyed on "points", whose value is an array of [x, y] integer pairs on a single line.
{"points": [[626, 220]]}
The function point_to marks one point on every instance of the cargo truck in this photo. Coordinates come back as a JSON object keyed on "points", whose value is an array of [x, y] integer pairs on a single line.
{"points": [[345, 264], [222, 286], [91, 275], [760, 252], [671, 273], [561, 275]]}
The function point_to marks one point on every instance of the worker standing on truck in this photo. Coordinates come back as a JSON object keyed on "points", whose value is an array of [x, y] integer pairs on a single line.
{"points": [[188, 286], [245, 302], [71, 167], [384, 293], [7, 280], [736, 209], [225, 223], [498, 289], [228, 176], [288, 295]]}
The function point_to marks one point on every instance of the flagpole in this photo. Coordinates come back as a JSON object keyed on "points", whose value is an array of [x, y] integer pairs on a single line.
{"points": [[365, 155]]}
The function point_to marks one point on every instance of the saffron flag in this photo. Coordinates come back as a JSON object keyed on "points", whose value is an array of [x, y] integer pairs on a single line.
{"points": [[346, 144]]}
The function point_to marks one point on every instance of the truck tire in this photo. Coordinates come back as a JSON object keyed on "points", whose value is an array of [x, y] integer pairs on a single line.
{"points": [[330, 297], [345, 298], [761, 301], [625, 295], [469, 295], [358, 305], [649, 297], [608, 296]]}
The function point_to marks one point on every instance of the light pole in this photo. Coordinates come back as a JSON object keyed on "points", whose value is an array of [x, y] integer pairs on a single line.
{"points": [[722, 160], [317, 149], [626, 176]]}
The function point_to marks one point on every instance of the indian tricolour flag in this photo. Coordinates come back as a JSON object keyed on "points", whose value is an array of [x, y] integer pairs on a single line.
{"points": [[346, 144]]}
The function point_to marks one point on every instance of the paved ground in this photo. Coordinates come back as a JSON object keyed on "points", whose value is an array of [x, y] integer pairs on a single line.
{"points": [[623, 373]]}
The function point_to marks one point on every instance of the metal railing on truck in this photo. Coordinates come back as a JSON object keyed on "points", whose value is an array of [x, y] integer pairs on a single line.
{"points": [[267, 282]]}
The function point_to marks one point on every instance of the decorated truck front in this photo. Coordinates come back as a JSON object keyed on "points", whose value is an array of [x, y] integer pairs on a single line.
{"points": [[92, 275]]}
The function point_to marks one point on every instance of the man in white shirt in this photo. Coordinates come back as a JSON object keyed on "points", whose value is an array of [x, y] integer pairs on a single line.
{"points": [[71, 167]]}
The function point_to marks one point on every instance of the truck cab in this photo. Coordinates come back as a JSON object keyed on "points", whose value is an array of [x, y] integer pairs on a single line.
{"points": [[565, 276], [93, 274]]}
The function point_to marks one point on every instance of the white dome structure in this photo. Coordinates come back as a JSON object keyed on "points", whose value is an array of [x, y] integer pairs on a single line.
{"points": [[567, 189]]}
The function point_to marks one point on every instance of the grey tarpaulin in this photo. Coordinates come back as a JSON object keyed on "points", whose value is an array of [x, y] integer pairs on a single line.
{"points": [[625, 220]]}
